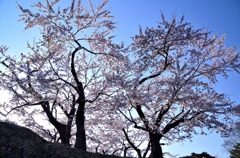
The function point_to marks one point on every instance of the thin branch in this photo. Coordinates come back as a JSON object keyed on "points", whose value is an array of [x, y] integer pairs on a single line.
{"points": [[147, 149], [131, 143], [23, 105], [94, 53], [154, 75], [174, 124], [93, 76], [70, 84], [91, 101], [142, 116], [165, 50], [84, 26], [131, 120]]}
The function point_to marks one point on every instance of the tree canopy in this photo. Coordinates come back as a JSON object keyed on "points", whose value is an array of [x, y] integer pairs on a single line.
{"points": [[235, 151], [202, 155], [231, 144]]}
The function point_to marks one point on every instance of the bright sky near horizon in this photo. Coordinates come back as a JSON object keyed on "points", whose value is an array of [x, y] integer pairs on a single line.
{"points": [[218, 16]]}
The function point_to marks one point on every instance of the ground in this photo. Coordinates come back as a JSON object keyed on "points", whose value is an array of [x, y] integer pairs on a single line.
{"points": [[21, 142]]}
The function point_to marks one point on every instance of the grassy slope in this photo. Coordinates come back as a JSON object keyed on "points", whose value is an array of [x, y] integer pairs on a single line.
{"points": [[20, 142]]}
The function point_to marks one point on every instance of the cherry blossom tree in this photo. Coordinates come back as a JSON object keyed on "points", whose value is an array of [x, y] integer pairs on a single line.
{"points": [[234, 137], [167, 89], [235, 152], [117, 137], [131, 100], [63, 73]]}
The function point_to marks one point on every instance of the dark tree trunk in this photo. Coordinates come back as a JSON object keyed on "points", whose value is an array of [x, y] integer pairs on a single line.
{"points": [[64, 133], [80, 135], [156, 149], [62, 129], [80, 118]]}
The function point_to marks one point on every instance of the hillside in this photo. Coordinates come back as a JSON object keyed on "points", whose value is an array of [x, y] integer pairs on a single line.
{"points": [[21, 142]]}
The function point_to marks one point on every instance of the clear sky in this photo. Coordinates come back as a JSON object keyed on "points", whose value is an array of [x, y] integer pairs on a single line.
{"points": [[218, 16]]}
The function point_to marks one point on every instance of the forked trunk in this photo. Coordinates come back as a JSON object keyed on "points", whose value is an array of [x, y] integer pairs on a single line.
{"points": [[156, 149]]}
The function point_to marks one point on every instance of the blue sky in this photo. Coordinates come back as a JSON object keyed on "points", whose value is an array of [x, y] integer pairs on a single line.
{"points": [[218, 16]]}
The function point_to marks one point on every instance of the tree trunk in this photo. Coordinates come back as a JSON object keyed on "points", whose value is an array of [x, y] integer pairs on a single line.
{"points": [[64, 133], [62, 129], [156, 149], [80, 118], [80, 135]]}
